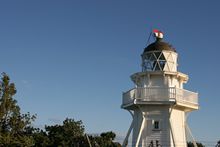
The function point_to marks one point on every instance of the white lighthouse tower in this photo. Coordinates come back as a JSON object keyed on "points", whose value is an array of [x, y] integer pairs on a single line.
{"points": [[159, 104]]}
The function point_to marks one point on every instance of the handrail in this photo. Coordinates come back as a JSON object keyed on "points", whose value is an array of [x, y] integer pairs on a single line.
{"points": [[160, 94]]}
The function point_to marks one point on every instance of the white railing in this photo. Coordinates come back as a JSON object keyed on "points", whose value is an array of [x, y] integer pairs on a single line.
{"points": [[128, 96], [160, 94], [183, 95]]}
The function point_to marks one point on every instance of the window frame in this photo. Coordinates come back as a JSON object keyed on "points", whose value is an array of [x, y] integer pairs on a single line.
{"points": [[156, 124]]}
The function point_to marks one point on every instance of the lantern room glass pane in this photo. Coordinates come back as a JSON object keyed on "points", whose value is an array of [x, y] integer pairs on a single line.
{"points": [[162, 64], [152, 57], [157, 54], [156, 66], [162, 57], [148, 56]]}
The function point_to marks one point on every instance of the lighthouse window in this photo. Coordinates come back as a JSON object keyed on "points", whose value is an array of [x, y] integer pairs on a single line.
{"points": [[156, 125]]}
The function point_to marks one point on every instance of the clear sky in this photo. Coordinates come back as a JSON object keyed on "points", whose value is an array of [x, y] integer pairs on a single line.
{"points": [[73, 58]]}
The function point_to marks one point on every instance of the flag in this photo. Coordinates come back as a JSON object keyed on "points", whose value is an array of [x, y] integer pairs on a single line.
{"points": [[158, 34]]}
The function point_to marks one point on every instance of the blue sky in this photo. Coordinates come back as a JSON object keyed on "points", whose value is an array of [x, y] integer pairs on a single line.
{"points": [[73, 58]]}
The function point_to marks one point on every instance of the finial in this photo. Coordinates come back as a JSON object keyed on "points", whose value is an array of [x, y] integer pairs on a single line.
{"points": [[158, 34]]}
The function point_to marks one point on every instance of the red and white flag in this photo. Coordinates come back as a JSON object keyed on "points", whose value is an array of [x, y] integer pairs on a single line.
{"points": [[158, 34]]}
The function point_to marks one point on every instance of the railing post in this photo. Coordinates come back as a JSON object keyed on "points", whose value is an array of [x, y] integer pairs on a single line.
{"points": [[137, 92], [175, 93]]}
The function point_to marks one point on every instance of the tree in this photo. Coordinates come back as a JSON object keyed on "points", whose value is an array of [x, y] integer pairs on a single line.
{"points": [[14, 127], [218, 144], [108, 135], [71, 133], [106, 139], [40, 138], [190, 144]]}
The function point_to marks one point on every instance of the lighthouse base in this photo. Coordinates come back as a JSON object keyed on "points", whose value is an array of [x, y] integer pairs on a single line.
{"points": [[159, 126]]}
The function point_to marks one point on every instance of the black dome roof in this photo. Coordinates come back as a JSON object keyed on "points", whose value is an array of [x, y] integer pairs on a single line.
{"points": [[159, 45]]}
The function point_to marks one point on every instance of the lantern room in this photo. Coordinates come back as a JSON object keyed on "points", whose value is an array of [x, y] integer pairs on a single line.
{"points": [[159, 56]]}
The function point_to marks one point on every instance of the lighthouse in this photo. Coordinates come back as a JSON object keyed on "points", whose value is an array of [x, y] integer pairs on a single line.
{"points": [[158, 103]]}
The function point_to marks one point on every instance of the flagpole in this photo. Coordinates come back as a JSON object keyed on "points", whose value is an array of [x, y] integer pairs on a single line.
{"points": [[148, 40]]}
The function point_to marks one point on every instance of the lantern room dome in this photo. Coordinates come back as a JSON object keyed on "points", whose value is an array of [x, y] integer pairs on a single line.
{"points": [[159, 45]]}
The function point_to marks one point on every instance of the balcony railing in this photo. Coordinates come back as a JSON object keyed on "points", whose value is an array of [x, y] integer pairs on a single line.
{"points": [[160, 94]]}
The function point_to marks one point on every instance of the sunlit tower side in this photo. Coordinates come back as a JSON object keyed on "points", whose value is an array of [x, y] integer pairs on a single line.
{"points": [[159, 104]]}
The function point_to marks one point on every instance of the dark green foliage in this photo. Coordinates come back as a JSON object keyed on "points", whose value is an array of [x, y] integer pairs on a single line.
{"points": [[108, 135], [41, 138], [71, 134], [218, 144], [14, 126], [190, 144], [104, 140], [68, 134]]}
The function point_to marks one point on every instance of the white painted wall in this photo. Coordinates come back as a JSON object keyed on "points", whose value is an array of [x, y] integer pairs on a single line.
{"points": [[159, 80], [163, 135], [178, 123], [152, 113]]}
